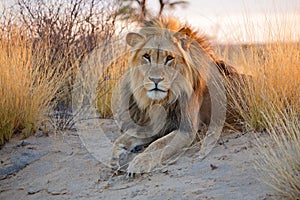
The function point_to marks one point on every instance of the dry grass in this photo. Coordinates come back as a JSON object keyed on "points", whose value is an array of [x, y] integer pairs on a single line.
{"points": [[275, 80], [43, 45], [279, 165], [271, 102], [28, 85], [99, 72], [107, 83]]}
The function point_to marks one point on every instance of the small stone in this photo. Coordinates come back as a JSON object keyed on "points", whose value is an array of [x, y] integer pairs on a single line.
{"points": [[33, 191], [213, 167]]}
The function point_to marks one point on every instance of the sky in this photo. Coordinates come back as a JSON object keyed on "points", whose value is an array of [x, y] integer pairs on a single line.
{"points": [[238, 20], [242, 20]]}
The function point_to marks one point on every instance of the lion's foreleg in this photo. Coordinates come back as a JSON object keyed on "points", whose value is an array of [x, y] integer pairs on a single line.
{"points": [[158, 152], [123, 146]]}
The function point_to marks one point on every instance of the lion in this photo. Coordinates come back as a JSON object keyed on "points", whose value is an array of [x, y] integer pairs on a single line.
{"points": [[164, 97]]}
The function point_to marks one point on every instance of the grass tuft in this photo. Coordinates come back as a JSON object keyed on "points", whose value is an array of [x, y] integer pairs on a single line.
{"points": [[279, 163], [28, 85]]}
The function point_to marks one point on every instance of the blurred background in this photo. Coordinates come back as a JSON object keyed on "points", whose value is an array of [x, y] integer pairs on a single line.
{"points": [[225, 21]]}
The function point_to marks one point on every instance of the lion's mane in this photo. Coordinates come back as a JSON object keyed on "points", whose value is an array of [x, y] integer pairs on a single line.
{"points": [[179, 104]]}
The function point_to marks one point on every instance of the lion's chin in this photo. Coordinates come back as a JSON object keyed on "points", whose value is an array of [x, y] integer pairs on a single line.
{"points": [[157, 95]]}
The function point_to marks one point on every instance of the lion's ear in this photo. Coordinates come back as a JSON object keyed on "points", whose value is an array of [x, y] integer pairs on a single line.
{"points": [[184, 36], [133, 38], [186, 31]]}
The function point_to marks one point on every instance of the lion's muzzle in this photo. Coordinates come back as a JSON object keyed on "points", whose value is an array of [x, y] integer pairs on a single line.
{"points": [[155, 89]]}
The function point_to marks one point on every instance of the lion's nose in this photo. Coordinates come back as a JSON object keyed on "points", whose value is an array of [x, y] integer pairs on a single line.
{"points": [[156, 80]]}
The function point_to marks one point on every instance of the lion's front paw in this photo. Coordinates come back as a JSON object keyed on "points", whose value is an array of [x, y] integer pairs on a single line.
{"points": [[118, 159], [142, 163]]}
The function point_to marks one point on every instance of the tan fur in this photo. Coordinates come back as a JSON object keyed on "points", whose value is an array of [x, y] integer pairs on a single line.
{"points": [[166, 120]]}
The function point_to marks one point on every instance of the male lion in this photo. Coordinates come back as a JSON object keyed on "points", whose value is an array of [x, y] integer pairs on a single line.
{"points": [[164, 96]]}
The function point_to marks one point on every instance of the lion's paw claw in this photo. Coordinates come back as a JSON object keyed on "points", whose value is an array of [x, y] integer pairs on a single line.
{"points": [[139, 165]]}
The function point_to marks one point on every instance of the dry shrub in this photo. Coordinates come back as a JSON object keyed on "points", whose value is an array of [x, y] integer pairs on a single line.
{"points": [[28, 84], [42, 47], [71, 31]]}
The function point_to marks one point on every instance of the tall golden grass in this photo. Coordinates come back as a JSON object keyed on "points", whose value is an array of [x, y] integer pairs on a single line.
{"points": [[28, 84], [275, 75], [270, 102], [275, 80]]}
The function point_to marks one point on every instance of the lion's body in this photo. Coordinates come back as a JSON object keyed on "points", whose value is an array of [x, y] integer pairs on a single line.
{"points": [[163, 97]]}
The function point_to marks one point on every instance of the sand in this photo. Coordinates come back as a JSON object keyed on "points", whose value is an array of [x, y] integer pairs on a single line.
{"points": [[66, 166]]}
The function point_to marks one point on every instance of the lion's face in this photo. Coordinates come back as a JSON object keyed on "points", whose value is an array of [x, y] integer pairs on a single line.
{"points": [[158, 69]]}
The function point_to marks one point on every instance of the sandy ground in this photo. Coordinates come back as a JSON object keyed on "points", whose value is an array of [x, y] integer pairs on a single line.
{"points": [[67, 166]]}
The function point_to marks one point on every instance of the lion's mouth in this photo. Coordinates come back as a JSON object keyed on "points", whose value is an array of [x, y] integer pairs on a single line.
{"points": [[157, 90], [156, 94]]}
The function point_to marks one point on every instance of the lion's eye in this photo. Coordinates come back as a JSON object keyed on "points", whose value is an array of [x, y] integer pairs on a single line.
{"points": [[169, 58], [147, 57]]}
